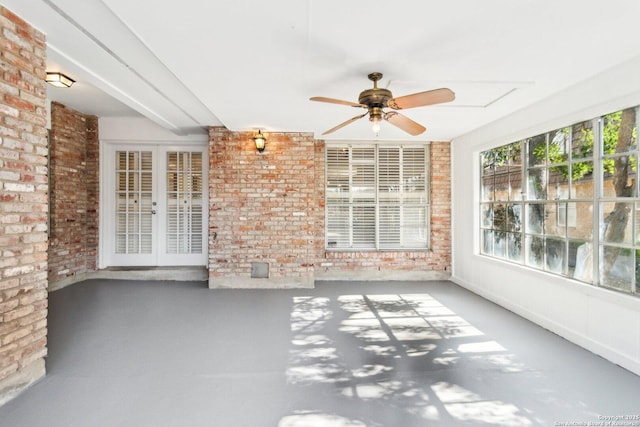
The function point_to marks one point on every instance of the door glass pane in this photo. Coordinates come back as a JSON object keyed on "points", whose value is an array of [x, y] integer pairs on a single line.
{"points": [[146, 240], [172, 161], [146, 161], [196, 242]]}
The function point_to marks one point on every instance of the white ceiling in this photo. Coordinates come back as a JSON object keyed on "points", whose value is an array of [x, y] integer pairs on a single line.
{"points": [[249, 64]]}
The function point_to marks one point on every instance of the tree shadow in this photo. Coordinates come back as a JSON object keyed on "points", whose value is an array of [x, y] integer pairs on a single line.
{"points": [[396, 359]]}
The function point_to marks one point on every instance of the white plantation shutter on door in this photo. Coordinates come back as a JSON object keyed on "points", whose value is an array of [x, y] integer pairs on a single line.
{"points": [[134, 192], [184, 202], [377, 197]]}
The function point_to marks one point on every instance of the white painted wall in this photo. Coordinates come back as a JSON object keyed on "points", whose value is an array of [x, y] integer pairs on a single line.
{"points": [[603, 321]]}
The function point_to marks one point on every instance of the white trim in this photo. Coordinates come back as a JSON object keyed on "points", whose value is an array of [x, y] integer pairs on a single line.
{"points": [[377, 203], [160, 148], [591, 294]]}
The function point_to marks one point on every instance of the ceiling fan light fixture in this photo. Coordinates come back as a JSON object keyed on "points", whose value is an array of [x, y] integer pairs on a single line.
{"points": [[58, 79], [376, 127], [375, 117], [375, 120], [376, 99]]}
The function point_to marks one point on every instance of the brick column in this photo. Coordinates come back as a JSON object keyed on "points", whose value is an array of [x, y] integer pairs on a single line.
{"points": [[23, 205]]}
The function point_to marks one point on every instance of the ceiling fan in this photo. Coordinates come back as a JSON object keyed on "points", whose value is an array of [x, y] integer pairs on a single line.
{"points": [[376, 99]]}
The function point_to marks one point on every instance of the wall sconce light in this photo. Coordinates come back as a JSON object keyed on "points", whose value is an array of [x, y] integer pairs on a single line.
{"points": [[260, 141], [59, 80]]}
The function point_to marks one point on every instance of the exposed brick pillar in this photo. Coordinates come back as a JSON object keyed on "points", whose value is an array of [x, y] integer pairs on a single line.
{"points": [[441, 206], [23, 205]]}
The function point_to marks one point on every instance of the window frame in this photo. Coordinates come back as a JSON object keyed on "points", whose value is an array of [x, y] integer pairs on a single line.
{"points": [[378, 203], [571, 187]]}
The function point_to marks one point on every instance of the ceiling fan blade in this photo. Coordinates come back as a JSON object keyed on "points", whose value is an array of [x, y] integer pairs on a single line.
{"points": [[341, 125], [430, 97], [404, 123], [336, 101]]}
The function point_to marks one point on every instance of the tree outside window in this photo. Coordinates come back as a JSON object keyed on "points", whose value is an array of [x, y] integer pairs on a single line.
{"points": [[548, 223]]}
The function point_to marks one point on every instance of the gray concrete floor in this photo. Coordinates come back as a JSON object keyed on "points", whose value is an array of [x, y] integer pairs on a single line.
{"points": [[136, 353]]}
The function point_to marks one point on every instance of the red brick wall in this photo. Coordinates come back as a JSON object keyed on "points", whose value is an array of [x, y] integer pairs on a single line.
{"points": [[432, 264], [270, 207], [74, 194], [262, 209], [441, 205], [23, 205]]}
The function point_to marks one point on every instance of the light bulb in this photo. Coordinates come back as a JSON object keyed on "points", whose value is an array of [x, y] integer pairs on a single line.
{"points": [[376, 126]]}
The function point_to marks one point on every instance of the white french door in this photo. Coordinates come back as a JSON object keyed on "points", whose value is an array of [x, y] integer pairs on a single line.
{"points": [[155, 205]]}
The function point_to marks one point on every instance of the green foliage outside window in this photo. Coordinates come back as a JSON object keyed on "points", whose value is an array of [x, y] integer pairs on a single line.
{"points": [[565, 158], [584, 144]]}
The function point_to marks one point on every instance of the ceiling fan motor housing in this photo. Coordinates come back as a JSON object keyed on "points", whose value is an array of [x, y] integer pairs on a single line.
{"points": [[376, 97], [375, 114]]}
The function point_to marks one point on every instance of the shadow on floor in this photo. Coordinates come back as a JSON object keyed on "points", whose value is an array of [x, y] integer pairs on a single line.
{"points": [[343, 354]]}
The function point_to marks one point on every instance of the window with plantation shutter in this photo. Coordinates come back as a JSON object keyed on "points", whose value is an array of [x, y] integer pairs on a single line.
{"points": [[377, 197]]}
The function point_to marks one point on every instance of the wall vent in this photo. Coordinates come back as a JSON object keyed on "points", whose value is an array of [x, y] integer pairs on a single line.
{"points": [[259, 270]]}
